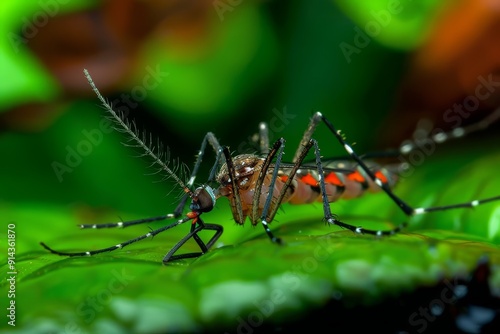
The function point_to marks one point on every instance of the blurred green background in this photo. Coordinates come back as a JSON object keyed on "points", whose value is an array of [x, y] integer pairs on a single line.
{"points": [[215, 68], [182, 68]]}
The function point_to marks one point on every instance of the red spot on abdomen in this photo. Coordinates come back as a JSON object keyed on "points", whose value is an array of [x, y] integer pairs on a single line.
{"points": [[381, 177], [356, 176], [309, 180], [332, 178]]}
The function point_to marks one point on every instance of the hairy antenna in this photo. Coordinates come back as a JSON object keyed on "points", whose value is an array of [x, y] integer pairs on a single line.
{"points": [[144, 143]]}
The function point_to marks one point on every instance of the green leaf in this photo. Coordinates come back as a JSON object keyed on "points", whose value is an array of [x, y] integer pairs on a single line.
{"points": [[245, 277]]}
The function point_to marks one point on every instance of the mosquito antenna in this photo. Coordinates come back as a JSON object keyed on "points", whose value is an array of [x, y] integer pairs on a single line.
{"points": [[141, 142]]}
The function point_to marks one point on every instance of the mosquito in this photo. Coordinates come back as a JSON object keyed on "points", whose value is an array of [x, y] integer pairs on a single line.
{"points": [[256, 185]]}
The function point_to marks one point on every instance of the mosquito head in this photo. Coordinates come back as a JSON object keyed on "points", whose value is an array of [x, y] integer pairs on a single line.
{"points": [[203, 199]]}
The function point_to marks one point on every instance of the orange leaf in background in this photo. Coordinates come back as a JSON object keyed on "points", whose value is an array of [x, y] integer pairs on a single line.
{"points": [[457, 67], [108, 41]]}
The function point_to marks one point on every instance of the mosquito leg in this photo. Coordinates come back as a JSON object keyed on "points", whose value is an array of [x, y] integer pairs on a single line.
{"points": [[218, 232], [122, 245], [329, 217], [306, 137], [210, 139], [407, 209], [194, 229], [409, 145], [126, 223], [194, 233], [216, 165], [277, 148], [303, 150], [440, 137], [234, 185]]}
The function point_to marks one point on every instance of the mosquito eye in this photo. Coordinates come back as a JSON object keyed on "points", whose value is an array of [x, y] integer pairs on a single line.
{"points": [[204, 199]]}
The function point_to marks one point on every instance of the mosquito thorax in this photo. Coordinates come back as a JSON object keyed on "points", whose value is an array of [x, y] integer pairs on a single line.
{"points": [[246, 169], [203, 199]]}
